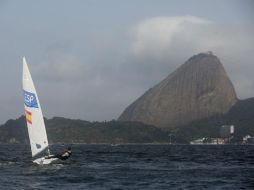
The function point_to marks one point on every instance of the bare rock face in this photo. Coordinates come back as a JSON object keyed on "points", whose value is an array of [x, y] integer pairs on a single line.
{"points": [[198, 89]]}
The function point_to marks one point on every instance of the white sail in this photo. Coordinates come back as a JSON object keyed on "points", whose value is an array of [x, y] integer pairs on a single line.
{"points": [[35, 122]]}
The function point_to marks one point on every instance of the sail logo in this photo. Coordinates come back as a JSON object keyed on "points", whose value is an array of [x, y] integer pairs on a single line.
{"points": [[30, 100], [28, 116]]}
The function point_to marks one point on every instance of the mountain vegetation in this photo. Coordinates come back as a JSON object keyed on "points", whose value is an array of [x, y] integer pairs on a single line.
{"points": [[62, 130]]}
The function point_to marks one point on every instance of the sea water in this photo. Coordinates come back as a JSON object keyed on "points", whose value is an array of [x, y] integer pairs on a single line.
{"points": [[131, 167]]}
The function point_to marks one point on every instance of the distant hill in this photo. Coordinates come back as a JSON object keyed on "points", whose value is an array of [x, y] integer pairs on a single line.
{"points": [[199, 89], [62, 130], [240, 115]]}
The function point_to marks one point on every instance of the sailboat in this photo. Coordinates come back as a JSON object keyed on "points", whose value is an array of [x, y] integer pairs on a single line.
{"points": [[34, 119]]}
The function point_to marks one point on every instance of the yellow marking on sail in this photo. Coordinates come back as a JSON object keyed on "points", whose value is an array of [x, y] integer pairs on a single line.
{"points": [[28, 117]]}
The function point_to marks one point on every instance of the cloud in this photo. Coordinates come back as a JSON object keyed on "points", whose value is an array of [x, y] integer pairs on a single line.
{"points": [[59, 66], [156, 36]]}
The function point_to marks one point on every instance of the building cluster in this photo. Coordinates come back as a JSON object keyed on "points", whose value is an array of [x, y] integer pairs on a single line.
{"points": [[206, 140], [248, 140], [226, 134]]}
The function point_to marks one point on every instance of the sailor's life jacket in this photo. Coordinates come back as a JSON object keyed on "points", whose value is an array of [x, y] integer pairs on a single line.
{"points": [[66, 155]]}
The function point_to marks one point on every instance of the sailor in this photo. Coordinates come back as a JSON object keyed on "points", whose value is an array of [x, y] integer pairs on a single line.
{"points": [[66, 154], [63, 156]]}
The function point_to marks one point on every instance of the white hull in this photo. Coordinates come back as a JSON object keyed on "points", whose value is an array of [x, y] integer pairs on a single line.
{"points": [[44, 161]]}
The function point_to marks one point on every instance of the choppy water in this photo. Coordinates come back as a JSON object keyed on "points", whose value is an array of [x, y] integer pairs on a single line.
{"points": [[131, 167]]}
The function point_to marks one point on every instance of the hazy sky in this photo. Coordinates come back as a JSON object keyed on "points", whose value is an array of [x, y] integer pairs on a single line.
{"points": [[90, 59]]}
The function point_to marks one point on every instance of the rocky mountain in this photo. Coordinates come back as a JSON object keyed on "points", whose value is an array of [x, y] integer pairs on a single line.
{"points": [[198, 89]]}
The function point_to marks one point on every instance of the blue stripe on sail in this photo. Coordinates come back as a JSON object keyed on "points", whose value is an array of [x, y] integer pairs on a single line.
{"points": [[30, 99]]}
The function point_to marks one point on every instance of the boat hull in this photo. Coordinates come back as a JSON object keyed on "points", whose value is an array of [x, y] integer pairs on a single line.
{"points": [[44, 161]]}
